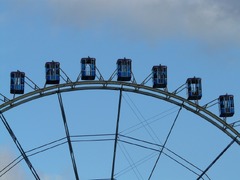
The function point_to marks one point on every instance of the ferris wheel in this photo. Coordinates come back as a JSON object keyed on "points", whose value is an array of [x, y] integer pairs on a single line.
{"points": [[114, 128]]}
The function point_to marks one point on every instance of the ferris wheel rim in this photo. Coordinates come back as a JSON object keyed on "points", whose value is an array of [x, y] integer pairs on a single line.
{"points": [[126, 87]]}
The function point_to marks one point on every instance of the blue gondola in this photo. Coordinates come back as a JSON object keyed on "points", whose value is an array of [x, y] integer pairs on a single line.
{"points": [[159, 75], [226, 105], [194, 88], [52, 72], [88, 68], [17, 82], [124, 69]]}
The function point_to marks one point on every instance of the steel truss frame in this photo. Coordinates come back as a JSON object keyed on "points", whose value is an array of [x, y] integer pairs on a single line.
{"points": [[173, 98], [201, 111]]}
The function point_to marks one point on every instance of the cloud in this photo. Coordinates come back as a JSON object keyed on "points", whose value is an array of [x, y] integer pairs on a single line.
{"points": [[206, 19], [7, 156]]}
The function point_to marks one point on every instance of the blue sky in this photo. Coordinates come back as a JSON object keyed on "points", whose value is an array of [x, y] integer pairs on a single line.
{"points": [[193, 38]]}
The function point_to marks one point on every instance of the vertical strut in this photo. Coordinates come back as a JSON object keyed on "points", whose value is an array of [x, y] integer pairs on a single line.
{"points": [[19, 147], [68, 136], [116, 134]]}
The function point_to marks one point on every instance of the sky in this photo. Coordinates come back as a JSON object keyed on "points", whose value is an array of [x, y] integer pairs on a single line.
{"points": [[192, 38]]}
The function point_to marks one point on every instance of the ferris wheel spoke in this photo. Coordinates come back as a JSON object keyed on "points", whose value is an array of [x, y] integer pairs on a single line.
{"points": [[160, 153], [68, 136], [25, 157], [116, 134], [125, 82], [215, 160]]}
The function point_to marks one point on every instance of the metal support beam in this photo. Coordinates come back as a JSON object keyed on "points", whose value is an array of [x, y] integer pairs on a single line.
{"points": [[68, 136], [116, 134], [19, 147], [172, 98], [215, 160], [174, 122], [35, 87]]}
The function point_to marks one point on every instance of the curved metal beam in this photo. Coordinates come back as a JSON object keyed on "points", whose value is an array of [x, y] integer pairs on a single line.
{"points": [[127, 87]]}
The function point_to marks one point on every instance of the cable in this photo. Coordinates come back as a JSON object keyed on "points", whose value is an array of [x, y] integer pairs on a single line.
{"points": [[138, 163], [130, 161], [215, 160], [144, 123], [174, 122], [29, 152], [150, 121], [156, 150], [159, 146], [93, 140], [16, 161], [20, 158], [119, 173], [61, 141], [17, 143]]}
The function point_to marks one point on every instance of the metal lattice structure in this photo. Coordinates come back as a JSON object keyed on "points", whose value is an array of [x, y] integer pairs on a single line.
{"points": [[119, 86]]}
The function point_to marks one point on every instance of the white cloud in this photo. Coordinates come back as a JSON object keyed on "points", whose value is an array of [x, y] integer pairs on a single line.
{"points": [[6, 156], [17, 172], [207, 19]]}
